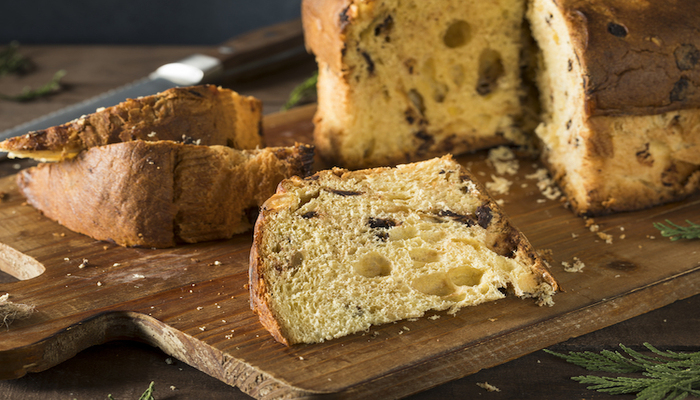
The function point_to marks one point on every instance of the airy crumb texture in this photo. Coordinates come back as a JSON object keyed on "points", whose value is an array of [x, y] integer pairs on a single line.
{"points": [[340, 251], [406, 80]]}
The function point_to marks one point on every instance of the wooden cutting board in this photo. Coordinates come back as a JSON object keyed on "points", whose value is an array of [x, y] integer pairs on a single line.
{"points": [[192, 301]]}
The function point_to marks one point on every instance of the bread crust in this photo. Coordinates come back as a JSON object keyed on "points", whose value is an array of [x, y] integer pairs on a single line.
{"points": [[159, 194], [206, 115], [638, 58]]}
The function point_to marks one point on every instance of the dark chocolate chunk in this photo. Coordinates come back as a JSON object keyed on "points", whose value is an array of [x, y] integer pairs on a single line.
{"points": [[617, 30], [370, 63], [383, 223], [484, 215], [680, 90], [464, 219], [687, 57], [344, 192], [384, 27], [309, 215]]}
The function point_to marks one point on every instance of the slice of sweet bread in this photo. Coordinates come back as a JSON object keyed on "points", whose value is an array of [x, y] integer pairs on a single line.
{"points": [[159, 194], [206, 115], [340, 251], [406, 80], [620, 91]]}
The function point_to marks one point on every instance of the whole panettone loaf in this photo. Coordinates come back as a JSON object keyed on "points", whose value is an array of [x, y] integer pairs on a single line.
{"points": [[340, 251], [407, 80], [158, 194], [620, 93], [206, 115]]}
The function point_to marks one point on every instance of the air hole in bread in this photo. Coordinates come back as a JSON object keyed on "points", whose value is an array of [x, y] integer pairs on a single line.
{"points": [[458, 34], [436, 284], [424, 255], [373, 265], [465, 276], [490, 70]]}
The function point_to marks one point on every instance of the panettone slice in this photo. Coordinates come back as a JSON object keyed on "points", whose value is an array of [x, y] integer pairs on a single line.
{"points": [[206, 115], [340, 251]]}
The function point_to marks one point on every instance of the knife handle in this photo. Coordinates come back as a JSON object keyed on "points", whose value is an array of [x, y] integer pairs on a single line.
{"points": [[262, 44]]}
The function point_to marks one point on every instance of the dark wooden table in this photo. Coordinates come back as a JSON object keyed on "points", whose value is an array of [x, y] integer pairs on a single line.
{"points": [[124, 369]]}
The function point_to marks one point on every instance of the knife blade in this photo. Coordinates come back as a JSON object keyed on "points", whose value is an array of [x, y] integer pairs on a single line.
{"points": [[248, 54]]}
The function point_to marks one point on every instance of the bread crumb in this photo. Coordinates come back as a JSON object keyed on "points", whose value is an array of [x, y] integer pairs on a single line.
{"points": [[608, 238], [623, 236], [301, 358], [499, 185], [169, 361], [545, 184], [594, 228], [574, 235], [152, 134], [577, 266], [99, 283], [503, 160], [83, 264], [172, 387], [202, 328], [488, 386], [217, 262], [200, 308], [434, 317]]}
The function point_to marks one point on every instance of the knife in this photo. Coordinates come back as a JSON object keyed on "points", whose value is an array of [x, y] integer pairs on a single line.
{"points": [[245, 55]]}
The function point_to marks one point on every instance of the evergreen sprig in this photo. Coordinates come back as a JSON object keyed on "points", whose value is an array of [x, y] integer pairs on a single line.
{"points": [[12, 62], [147, 395], [675, 232], [303, 92], [667, 374]]}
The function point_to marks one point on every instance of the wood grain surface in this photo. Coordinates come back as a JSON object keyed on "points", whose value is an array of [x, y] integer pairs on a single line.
{"points": [[191, 301]]}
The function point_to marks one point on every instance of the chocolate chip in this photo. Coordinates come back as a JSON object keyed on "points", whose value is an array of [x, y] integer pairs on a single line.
{"points": [[345, 192], [384, 27], [383, 223], [644, 157], [484, 215], [309, 215], [687, 56], [464, 219], [680, 90], [617, 30], [370, 63], [343, 16]]}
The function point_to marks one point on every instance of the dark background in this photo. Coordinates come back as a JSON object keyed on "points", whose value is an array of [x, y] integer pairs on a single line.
{"points": [[154, 22]]}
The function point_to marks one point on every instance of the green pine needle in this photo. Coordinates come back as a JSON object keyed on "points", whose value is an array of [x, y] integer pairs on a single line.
{"points": [[12, 62], [675, 232], [666, 374], [147, 395], [28, 94], [303, 92]]}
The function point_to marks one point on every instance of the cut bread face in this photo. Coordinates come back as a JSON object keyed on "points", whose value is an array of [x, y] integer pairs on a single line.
{"points": [[620, 119], [340, 251], [205, 115], [159, 194], [401, 81]]}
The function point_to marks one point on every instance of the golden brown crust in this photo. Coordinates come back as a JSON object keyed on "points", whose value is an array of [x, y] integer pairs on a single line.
{"points": [[638, 58], [158, 194], [206, 115], [323, 22]]}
